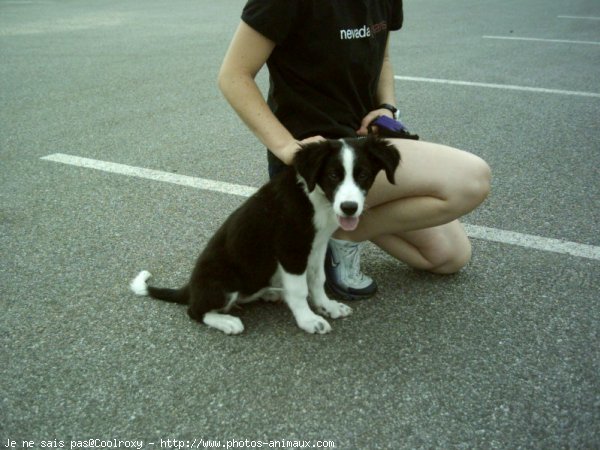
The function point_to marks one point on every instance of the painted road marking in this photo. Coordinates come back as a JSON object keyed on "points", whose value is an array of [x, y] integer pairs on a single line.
{"points": [[474, 231], [498, 86], [579, 17], [560, 41], [533, 241], [150, 174]]}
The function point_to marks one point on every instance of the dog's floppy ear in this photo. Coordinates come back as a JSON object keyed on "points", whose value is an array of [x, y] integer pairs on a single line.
{"points": [[309, 160], [385, 155]]}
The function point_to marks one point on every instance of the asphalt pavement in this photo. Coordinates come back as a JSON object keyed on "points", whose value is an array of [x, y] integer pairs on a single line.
{"points": [[503, 355]]}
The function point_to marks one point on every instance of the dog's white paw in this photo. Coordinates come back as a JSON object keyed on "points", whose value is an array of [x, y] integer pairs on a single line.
{"points": [[334, 309], [223, 322], [313, 324], [138, 284], [272, 296]]}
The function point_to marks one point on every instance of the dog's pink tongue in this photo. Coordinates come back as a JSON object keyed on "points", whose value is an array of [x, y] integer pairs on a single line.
{"points": [[348, 223]]}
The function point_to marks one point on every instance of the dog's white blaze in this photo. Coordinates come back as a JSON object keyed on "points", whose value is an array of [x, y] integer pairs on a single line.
{"points": [[348, 190]]}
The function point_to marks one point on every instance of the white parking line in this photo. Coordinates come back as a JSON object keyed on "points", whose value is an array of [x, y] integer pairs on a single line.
{"points": [[475, 231], [560, 41], [532, 241], [499, 86], [579, 17], [150, 174]]}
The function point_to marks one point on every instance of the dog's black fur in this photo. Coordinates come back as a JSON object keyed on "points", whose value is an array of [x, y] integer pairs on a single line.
{"points": [[274, 226]]}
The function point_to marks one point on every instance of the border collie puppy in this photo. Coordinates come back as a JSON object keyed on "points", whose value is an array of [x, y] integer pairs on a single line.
{"points": [[275, 242]]}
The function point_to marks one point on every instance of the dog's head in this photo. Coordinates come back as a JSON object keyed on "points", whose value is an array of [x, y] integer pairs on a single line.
{"points": [[344, 170]]}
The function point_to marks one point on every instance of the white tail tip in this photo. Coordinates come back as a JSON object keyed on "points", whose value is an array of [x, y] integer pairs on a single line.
{"points": [[138, 284]]}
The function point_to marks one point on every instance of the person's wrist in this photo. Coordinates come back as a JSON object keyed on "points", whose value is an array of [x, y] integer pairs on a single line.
{"points": [[391, 108], [385, 112], [286, 151]]}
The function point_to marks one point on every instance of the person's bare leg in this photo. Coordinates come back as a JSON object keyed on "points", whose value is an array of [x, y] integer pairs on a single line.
{"points": [[445, 249], [415, 219]]}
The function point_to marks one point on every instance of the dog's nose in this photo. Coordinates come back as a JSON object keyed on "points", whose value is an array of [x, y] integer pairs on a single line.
{"points": [[349, 208]]}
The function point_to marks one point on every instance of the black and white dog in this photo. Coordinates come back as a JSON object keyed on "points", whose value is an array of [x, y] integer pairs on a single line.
{"points": [[276, 241]]}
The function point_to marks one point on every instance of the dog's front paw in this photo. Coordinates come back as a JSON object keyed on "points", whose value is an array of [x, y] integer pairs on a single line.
{"points": [[314, 324], [334, 309], [224, 322]]}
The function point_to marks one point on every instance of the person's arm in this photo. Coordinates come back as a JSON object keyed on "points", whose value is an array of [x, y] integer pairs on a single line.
{"points": [[386, 92], [247, 54]]}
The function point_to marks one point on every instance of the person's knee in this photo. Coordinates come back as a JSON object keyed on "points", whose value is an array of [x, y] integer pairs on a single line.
{"points": [[454, 263], [472, 186], [456, 253], [469, 189], [451, 258], [479, 184]]}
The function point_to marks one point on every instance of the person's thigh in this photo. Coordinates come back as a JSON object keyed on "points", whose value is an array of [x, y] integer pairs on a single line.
{"points": [[415, 220], [434, 170]]}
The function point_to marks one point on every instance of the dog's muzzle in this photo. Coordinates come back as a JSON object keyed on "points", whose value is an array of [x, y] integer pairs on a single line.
{"points": [[348, 221]]}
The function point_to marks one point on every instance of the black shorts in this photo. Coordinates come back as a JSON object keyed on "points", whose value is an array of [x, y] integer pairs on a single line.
{"points": [[276, 165]]}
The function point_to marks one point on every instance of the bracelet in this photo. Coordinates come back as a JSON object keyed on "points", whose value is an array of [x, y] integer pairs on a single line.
{"points": [[390, 108]]}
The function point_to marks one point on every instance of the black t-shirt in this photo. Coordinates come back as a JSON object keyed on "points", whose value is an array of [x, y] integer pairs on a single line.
{"points": [[325, 67]]}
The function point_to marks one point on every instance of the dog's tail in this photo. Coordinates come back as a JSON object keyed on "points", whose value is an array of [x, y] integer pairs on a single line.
{"points": [[139, 286]]}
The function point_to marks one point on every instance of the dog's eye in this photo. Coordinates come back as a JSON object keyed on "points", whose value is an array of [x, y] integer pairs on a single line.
{"points": [[333, 176], [363, 175]]}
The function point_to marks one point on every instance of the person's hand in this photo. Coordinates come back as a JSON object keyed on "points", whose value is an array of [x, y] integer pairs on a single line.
{"points": [[363, 130], [312, 139], [292, 147]]}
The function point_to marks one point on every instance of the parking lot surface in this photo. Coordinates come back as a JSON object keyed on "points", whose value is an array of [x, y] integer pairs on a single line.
{"points": [[504, 354]]}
